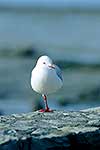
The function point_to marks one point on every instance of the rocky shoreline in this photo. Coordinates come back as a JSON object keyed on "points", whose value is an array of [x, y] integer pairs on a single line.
{"points": [[57, 130]]}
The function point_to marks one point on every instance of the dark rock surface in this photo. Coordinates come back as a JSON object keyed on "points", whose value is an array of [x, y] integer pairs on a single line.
{"points": [[48, 131]]}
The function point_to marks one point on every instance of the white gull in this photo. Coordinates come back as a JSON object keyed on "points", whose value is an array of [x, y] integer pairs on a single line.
{"points": [[46, 78]]}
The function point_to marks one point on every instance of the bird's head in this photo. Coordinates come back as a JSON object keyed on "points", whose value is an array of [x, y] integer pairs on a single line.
{"points": [[45, 62]]}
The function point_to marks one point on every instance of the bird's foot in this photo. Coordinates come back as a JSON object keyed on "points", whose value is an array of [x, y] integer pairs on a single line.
{"points": [[48, 110], [45, 110]]}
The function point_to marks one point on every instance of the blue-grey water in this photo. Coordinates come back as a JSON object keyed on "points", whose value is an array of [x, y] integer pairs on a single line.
{"points": [[66, 35], [72, 35], [52, 3]]}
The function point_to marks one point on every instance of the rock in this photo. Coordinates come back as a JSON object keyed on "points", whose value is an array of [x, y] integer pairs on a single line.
{"points": [[27, 52], [48, 131]]}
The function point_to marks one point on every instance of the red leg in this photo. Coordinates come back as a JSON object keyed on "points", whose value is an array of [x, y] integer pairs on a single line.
{"points": [[46, 105]]}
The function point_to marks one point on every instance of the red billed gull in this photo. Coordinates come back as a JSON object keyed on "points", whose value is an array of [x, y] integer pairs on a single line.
{"points": [[46, 78]]}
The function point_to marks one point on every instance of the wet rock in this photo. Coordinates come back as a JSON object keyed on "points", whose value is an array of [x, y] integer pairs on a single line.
{"points": [[28, 52], [91, 95], [58, 130]]}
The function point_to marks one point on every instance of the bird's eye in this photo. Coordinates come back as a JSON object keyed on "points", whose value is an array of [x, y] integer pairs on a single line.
{"points": [[44, 63]]}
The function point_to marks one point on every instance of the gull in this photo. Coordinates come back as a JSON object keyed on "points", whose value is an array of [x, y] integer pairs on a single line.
{"points": [[46, 78]]}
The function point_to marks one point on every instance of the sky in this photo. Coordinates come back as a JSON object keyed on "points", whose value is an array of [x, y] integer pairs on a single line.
{"points": [[90, 2], [51, 3]]}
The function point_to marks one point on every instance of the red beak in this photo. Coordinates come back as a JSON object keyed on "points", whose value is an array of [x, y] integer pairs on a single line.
{"points": [[51, 66]]}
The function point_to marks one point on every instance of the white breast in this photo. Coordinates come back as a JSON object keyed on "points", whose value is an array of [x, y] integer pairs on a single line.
{"points": [[45, 81]]}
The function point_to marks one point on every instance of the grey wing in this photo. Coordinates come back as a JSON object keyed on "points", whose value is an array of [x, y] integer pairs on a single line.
{"points": [[59, 72]]}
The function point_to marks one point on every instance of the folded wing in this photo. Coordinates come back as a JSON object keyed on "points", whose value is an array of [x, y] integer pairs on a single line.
{"points": [[59, 72]]}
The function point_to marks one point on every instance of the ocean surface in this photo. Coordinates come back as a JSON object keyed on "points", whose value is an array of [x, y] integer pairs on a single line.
{"points": [[68, 33]]}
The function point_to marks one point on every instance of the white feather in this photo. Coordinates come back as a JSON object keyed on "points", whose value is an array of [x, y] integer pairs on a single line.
{"points": [[44, 79]]}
